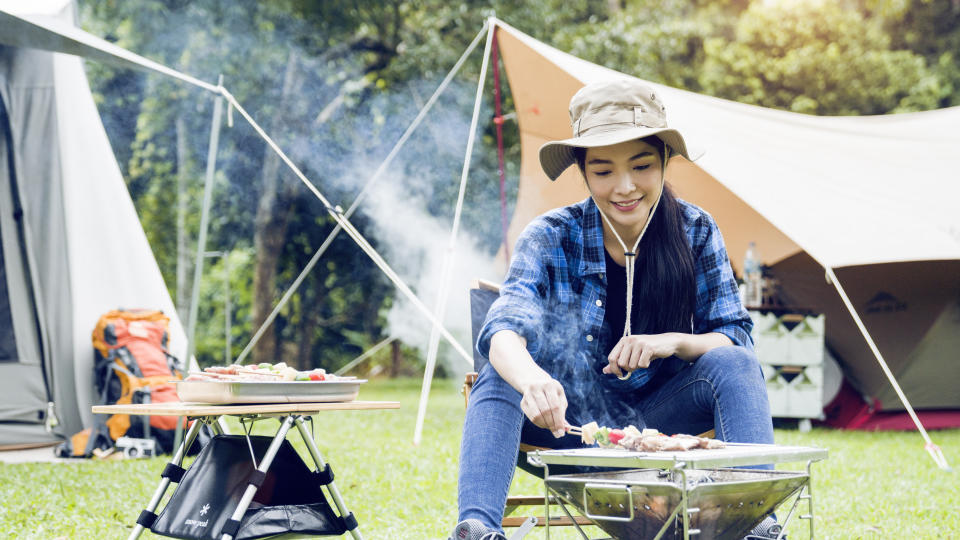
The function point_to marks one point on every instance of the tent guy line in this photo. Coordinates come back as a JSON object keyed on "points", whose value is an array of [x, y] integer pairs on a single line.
{"points": [[935, 452], [372, 351], [356, 203]]}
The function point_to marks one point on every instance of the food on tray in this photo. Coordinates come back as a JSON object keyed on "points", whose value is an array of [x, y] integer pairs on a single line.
{"points": [[265, 371], [648, 440]]}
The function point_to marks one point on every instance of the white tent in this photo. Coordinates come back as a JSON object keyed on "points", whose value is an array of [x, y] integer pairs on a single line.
{"points": [[72, 245]]}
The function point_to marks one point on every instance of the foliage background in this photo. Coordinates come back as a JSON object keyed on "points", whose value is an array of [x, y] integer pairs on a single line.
{"points": [[336, 82]]}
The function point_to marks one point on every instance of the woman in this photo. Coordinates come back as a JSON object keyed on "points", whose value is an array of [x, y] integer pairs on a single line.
{"points": [[561, 352]]}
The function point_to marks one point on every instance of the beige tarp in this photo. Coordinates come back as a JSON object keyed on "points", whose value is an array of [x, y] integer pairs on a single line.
{"points": [[872, 197]]}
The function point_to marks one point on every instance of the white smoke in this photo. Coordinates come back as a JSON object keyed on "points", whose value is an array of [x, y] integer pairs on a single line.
{"points": [[416, 245]]}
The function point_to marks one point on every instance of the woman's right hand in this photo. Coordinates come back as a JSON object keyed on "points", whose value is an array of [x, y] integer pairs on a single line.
{"points": [[545, 404], [544, 401]]}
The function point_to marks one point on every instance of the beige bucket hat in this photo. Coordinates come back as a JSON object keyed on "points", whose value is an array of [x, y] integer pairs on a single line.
{"points": [[611, 112]]}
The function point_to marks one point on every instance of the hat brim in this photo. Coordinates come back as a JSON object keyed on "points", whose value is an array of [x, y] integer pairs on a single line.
{"points": [[556, 156]]}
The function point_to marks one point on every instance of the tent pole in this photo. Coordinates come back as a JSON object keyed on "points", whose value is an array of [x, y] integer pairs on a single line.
{"points": [[356, 202], [441, 305], [204, 222], [930, 447]]}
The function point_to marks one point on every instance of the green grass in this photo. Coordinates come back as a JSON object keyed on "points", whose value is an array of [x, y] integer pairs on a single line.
{"points": [[874, 485]]}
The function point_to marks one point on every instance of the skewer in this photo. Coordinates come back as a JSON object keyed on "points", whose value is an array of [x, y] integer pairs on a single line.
{"points": [[574, 430], [224, 376], [259, 372]]}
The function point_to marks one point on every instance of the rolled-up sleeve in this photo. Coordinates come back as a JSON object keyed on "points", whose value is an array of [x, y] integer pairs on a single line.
{"points": [[718, 307], [520, 306]]}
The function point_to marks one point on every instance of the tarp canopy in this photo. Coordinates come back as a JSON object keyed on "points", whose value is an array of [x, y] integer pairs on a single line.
{"points": [[72, 244], [38, 24], [874, 198]]}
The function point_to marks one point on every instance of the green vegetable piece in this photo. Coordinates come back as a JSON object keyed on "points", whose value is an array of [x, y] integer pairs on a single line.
{"points": [[602, 437], [264, 365]]}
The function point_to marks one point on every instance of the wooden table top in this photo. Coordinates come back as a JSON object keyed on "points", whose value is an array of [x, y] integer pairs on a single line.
{"points": [[206, 409]]}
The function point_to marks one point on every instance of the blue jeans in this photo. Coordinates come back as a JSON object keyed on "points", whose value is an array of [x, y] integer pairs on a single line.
{"points": [[723, 390]]}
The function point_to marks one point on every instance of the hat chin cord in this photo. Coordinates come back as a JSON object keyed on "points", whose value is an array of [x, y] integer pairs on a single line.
{"points": [[631, 254]]}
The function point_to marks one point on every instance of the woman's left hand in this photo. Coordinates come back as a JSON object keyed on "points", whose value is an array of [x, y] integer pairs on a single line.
{"points": [[634, 352]]}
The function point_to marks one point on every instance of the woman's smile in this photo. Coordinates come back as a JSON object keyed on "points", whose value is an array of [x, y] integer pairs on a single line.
{"points": [[626, 206]]}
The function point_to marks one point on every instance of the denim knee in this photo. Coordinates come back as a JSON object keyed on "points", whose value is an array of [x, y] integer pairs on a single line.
{"points": [[734, 361], [489, 383]]}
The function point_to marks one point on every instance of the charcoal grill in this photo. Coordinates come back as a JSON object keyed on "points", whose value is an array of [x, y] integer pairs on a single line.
{"points": [[679, 495]]}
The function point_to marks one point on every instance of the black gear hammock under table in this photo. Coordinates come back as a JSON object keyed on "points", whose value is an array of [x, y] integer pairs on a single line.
{"points": [[247, 486]]}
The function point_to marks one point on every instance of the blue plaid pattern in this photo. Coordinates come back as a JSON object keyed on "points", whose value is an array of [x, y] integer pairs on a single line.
{"points": [[554, 296]]}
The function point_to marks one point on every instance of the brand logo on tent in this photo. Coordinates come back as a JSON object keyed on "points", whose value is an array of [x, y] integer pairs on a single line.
{"points": [[204, 510], [884, 302]]}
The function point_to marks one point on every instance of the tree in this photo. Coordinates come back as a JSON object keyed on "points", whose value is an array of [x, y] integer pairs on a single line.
{"points": [[657, 41], [817, 58], [930, 28]]}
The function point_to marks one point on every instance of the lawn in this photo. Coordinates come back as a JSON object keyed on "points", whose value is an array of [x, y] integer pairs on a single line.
{"points": [[874, 485]]}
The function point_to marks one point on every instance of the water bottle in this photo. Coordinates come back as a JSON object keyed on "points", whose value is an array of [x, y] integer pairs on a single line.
{"points": [[752, 278]]}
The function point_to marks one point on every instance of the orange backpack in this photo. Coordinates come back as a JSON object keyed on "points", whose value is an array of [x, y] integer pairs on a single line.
{"points": [[131, 347], [132, 365]]}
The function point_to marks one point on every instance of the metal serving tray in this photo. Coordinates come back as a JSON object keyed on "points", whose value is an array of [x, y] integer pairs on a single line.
{"points": [[268, 391]]}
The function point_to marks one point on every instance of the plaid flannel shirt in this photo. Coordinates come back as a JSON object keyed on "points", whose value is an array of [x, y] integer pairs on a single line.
{"points": [[555, 291]]}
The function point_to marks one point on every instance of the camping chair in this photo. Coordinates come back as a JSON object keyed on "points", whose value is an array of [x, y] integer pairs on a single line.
{"points": [[482, 295]]}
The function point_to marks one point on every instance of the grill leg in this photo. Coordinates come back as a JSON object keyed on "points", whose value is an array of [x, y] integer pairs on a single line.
{"points": [[265, 463], [165, 482], [809, 497], [331, 487]]}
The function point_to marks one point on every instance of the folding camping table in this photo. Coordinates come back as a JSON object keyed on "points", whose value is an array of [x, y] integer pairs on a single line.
{"points": [[696, 489], [289, 415]]}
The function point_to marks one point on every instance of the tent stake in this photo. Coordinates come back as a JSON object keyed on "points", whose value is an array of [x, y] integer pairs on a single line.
{"points": [[440, 307], [930, 447]]}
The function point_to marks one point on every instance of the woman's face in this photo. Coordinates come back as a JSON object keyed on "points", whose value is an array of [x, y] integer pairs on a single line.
{"points": [[625, 181]]}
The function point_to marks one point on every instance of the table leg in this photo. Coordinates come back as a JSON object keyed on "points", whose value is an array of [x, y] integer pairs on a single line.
{"points": [[331, 487], [165, 482], [221, 426], [265, 463]]}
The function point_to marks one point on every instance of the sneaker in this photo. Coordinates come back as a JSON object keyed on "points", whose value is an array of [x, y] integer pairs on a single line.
{"points": [[474, 529], [768, 529]]}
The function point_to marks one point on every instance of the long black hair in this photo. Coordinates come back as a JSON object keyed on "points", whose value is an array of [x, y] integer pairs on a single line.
{"points": [[664, 293]]}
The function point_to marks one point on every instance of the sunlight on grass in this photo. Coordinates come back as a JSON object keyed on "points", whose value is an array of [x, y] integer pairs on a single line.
{"points": [[874, 485]]}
